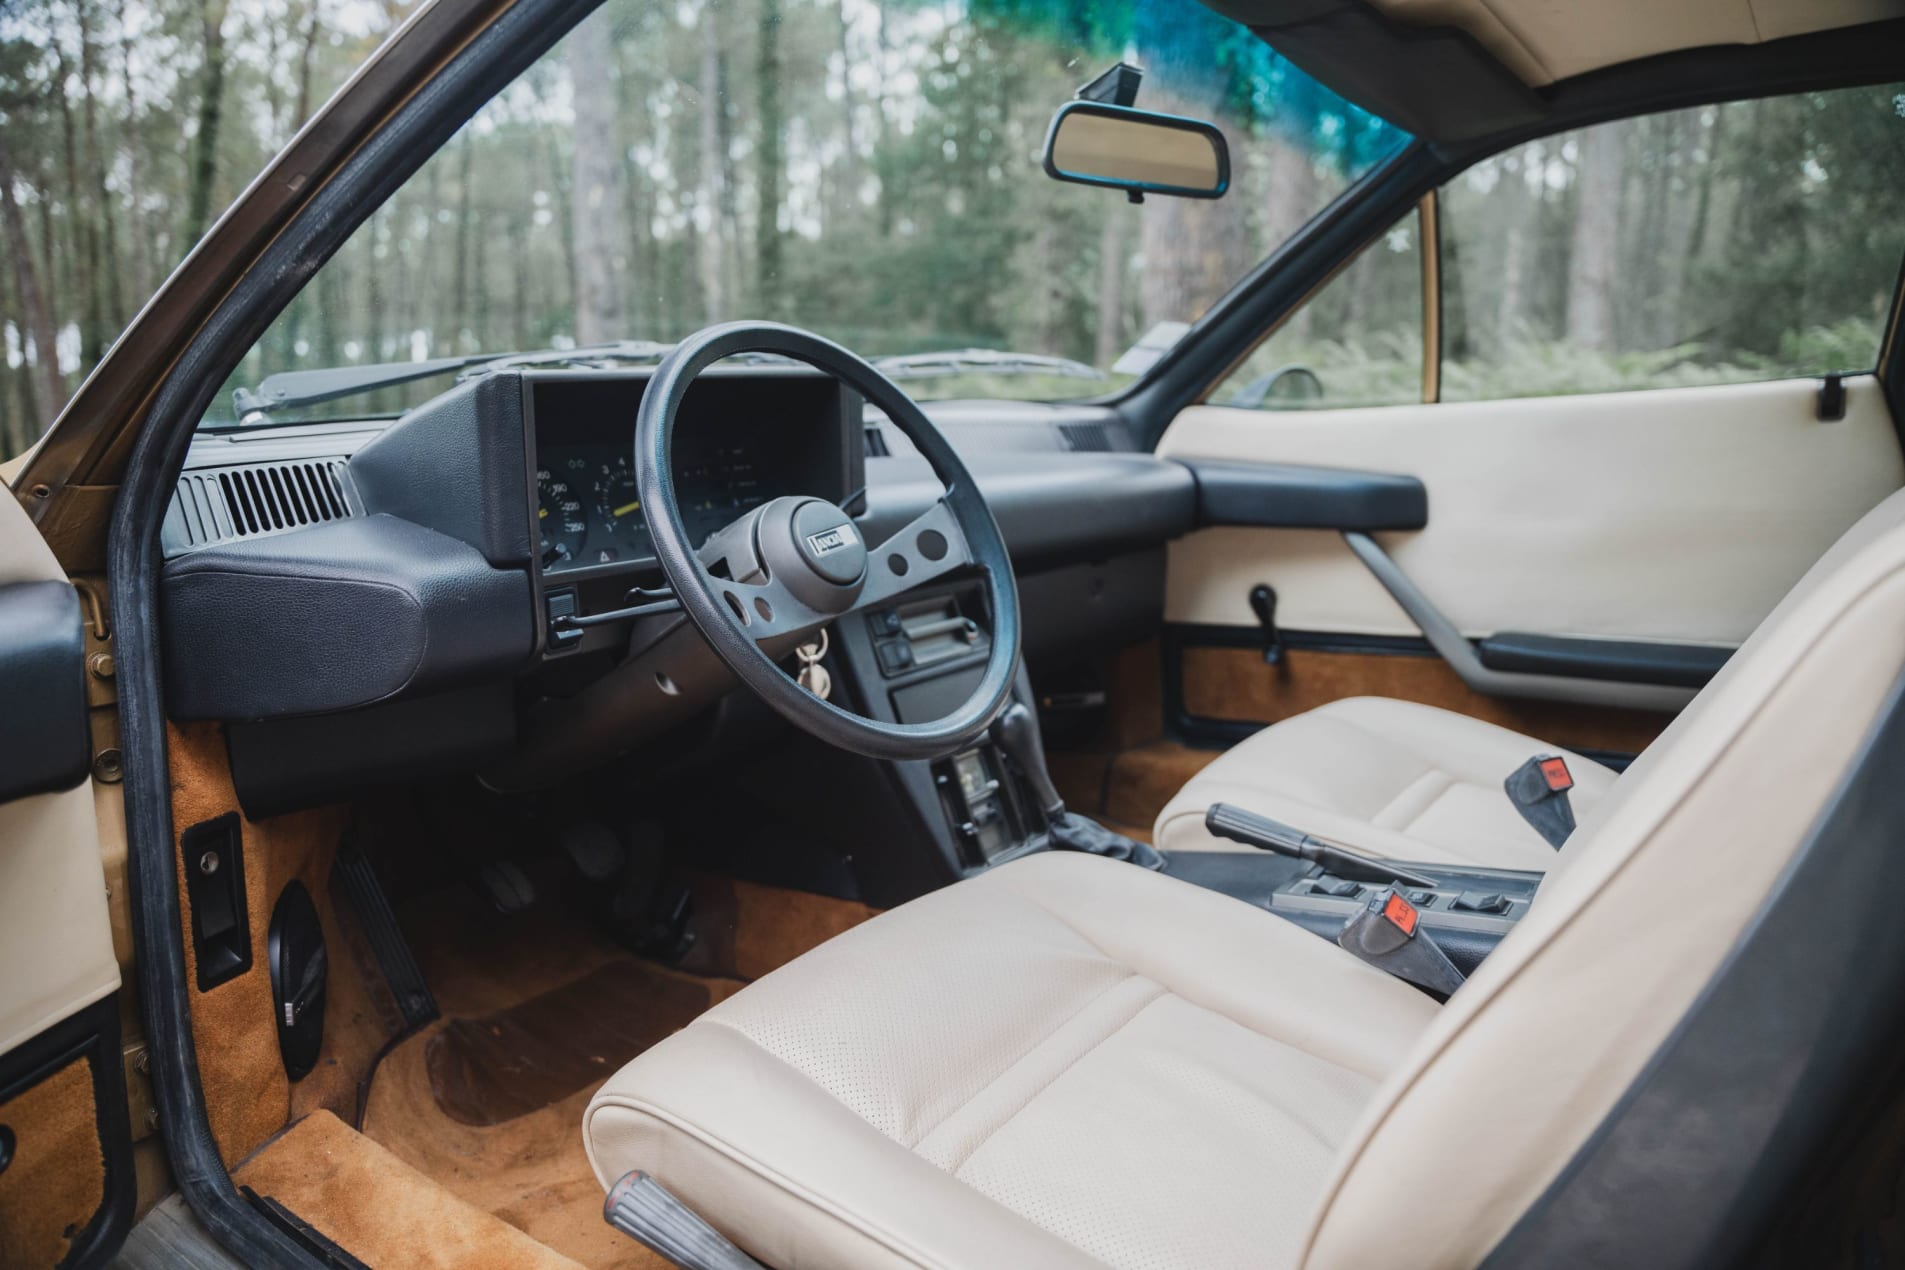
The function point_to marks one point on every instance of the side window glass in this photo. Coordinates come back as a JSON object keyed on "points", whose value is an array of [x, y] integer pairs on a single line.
{"points": [[1356, 342], [1721, 244]]}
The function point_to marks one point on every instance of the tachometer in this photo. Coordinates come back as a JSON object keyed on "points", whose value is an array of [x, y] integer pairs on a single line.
{"points": [[560, 517], [618, 508]]}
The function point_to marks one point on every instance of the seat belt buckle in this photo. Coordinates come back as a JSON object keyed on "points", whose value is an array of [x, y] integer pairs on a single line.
{"points": [[1539, 789], [1387, 933], [1554, 769]]}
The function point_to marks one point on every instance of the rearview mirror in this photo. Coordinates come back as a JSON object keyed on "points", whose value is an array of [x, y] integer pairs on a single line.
{"points": [[1138, 151]]}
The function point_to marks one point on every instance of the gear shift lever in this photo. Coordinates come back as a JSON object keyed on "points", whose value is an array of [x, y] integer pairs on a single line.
{"points": [[1016, 733]]}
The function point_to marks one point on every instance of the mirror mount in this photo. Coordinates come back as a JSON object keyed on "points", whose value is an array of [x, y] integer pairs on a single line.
{"points": [[1116, 87]]}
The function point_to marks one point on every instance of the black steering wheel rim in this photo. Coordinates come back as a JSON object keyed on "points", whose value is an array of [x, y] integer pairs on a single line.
{"points": [[654, 474]]}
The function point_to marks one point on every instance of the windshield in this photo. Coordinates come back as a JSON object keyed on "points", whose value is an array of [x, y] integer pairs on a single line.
{"points": [[865, 168]]}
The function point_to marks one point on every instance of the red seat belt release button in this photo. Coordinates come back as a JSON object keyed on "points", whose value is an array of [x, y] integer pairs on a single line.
{"points": [[1554, 770], [1401, 914]]}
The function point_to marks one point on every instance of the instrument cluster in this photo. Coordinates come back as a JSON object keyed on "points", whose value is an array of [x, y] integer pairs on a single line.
{"points": [[589, 511], [740, 440]]}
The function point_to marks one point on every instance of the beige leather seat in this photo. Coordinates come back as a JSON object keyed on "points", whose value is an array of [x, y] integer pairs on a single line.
{"points": [[1392, 778], [1074, 1062]]}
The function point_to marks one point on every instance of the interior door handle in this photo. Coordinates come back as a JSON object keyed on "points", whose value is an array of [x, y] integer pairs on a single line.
{"points": [[1461, 656]]}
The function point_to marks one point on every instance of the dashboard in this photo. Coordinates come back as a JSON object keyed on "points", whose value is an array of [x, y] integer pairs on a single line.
{"points": [[743, 436]]}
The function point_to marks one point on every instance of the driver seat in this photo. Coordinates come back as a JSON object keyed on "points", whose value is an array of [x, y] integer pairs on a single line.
{"points": [[1071, 1062]]}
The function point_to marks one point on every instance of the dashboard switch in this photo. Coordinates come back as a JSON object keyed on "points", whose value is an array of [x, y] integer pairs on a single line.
{"points": [[895, 655], [562, 604]]}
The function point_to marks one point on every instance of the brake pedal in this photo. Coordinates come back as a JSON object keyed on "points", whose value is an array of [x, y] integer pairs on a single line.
{"points": [[645, 1211], [507, 886]]}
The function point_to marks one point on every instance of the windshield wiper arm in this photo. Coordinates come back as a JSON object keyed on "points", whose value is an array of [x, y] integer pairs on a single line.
{"points": [[292, 388]]}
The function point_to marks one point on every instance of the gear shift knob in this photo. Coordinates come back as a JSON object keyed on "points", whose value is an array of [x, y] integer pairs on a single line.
{"points": [[1016, 732]]}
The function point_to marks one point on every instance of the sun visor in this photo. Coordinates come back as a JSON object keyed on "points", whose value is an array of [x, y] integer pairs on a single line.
{"points": [[1437, 82]]}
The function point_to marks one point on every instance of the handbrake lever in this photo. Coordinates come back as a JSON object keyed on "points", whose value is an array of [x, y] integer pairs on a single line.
{"points": [[1266, 834]]}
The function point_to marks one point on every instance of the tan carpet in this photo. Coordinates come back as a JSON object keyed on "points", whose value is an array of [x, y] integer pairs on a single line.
{"points": [[382, 1211], [539, 1010]]}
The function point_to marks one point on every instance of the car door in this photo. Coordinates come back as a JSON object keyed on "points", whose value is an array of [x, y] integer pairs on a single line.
{"points": [[1552, 447], [66, 1179]]}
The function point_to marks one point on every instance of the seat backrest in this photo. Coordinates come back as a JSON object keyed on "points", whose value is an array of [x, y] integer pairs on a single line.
{"points": [[1530, 1057]]}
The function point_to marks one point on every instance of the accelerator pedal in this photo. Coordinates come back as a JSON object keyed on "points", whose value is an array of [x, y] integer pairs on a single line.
{"points": [[353, 873], [642, 1208]]}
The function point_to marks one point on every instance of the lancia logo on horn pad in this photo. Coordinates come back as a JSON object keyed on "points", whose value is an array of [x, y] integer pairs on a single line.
{"points": [[828, 541]]}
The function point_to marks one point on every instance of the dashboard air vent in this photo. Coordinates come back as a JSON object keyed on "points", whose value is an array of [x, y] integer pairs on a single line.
{"points": [[1079, 437], [876, 442], [221, 504]]}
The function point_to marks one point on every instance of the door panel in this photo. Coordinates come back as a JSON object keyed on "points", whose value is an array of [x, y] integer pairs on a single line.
{"points": [[1675, 516], [65, 1166]]}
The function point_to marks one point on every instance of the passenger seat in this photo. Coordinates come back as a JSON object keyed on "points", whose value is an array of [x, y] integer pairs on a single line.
{"points": [[1393, 778], [1412, 782]]}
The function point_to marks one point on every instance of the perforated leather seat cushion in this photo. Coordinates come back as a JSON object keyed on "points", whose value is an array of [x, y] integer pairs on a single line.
{"points": [[1068, 1061], [1405, 781]]}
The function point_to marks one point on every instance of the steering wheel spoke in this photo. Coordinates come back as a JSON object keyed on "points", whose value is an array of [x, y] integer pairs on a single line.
{"points": [[767, 611], [929, 546]]}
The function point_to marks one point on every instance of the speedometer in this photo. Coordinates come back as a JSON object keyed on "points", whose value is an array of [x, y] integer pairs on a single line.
{"points": [[618, 508], [560, 517]]}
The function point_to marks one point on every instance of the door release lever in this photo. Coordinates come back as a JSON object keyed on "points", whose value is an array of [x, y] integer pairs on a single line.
{"points": [[1263, 602]]}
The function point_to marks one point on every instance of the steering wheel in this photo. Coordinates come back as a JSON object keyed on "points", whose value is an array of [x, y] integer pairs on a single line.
{"points": [[792, 565]]}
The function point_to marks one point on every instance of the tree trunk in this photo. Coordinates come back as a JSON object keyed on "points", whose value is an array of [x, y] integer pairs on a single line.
{"points": [[307, 50], [883, 140], [1596, 240], [80, 285], [107, 299], [26, 285], [595, 206], [767, 230], [1110, 335], [460, 316], [211, 105], [135, 144], [711, 249], [847, 179], [1193, 253]]}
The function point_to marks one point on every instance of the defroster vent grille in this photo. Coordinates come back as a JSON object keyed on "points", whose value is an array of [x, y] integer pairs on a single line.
{"points": [[220, 504]]}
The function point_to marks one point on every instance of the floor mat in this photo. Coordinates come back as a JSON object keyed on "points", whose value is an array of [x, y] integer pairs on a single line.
{"points": [[488, 1070], [539, 1009], [380, 1210]]}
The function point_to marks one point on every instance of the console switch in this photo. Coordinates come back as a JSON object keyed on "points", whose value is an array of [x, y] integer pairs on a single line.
{"points": [[1480, 902], [557, 604]]}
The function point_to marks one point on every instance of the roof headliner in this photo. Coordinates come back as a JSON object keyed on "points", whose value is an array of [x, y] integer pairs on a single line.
{"points": [[1542, 41], [1458, 71]]}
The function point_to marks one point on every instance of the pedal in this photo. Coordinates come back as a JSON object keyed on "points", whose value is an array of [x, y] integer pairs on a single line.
{"points": [[592, 848], [353, 873], [508, 887], [667, 932]]}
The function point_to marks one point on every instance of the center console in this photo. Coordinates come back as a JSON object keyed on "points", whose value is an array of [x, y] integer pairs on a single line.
{"points": [[915, 662], [1467, 911]]}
